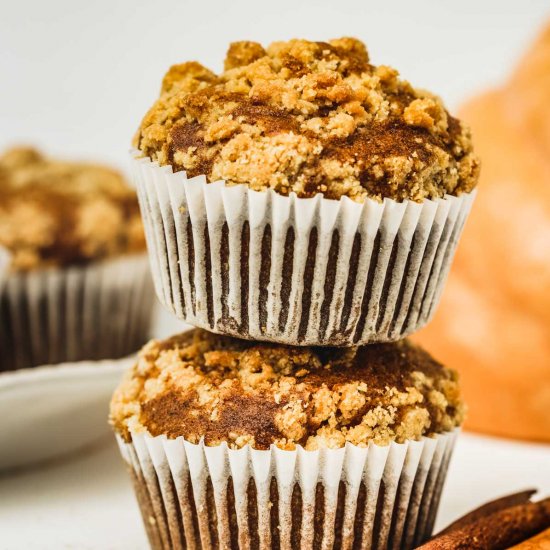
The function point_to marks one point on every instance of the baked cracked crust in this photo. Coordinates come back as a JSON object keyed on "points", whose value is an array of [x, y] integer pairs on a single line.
{"points": [[309, 117], [56, 213], [199, 384]]}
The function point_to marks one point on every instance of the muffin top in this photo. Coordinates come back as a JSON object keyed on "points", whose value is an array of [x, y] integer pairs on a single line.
{"points": [[309, 117], [56, 213], [225, 389]]}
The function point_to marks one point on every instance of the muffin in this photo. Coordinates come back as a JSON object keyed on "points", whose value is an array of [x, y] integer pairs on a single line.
{"points": [[303, 196], [233, 443], [78, 284]]}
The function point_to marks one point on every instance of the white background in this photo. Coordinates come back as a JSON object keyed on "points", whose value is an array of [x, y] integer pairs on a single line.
{"points": [[75, 79]]}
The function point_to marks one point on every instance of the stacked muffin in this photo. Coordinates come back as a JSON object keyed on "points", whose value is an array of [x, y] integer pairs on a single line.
{"points": [[302, 198]]}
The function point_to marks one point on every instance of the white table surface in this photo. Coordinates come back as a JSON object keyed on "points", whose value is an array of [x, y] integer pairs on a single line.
{"points": [[85, 502]]}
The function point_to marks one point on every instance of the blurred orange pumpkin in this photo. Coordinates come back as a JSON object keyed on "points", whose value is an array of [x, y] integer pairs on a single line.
{"points": [[493, 324]]}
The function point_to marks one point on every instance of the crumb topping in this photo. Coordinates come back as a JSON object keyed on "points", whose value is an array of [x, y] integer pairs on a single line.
{"points": [[225, 389], [59, 213], [309, 117]]}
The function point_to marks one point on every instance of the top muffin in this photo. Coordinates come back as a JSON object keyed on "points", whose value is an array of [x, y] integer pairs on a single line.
{"points": [[56, 213], [309, 117]]}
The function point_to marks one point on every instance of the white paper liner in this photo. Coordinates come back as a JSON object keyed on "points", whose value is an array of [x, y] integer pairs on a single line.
{"points": [[99, 311], [262, 266], [194, 496]]}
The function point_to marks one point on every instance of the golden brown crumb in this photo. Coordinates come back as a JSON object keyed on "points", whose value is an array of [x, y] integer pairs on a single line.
{"points": [[309, 117], [59, 213], [200, 384]]}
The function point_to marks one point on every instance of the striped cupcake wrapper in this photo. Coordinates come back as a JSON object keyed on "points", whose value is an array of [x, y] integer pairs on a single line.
{"points": [[99, 311], [262, 266], [198, 497]]}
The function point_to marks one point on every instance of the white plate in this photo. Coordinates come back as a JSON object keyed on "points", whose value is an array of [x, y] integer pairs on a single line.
{"points": [[53, 410]]}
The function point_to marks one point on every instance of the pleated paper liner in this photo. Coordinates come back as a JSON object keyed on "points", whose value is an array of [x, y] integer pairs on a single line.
{"points": [[99, 311], [199, 497], [262, 266]]}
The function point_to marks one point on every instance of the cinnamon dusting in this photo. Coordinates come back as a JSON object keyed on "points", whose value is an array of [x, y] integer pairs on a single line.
{"points": [[199, 384]]}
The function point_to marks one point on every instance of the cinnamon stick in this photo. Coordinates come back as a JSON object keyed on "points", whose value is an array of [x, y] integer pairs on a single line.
{"points": [[490, 508], [497, 531]]}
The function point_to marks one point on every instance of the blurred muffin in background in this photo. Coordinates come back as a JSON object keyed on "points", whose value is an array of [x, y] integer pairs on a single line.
{"points": [[77, 272], [494, 321]]}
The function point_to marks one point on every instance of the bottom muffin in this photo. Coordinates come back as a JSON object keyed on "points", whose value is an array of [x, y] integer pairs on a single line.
{"points": [[237, 444]]}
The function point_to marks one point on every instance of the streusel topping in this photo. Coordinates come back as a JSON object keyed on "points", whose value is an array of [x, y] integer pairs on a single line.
{"points": [[199, 384], [309, 117], [59, 213]]}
